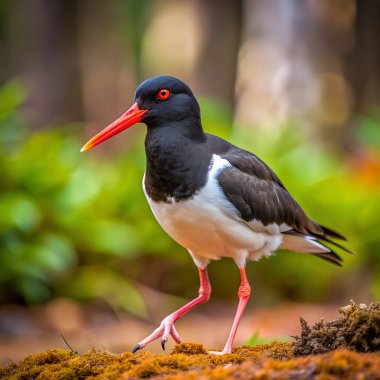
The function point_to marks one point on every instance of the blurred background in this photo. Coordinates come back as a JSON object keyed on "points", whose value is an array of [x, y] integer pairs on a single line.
{"points": [[296, 82]]}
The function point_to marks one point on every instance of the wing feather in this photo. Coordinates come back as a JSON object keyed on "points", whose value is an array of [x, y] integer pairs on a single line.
{"points": [[263, 201]]}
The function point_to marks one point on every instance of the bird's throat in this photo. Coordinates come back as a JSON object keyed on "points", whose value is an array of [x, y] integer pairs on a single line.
{"points": [[176, 165]]}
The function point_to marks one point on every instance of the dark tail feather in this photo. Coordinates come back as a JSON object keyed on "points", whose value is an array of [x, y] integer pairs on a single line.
{"points": [[327, 240], [332, 233], [331, 256]]}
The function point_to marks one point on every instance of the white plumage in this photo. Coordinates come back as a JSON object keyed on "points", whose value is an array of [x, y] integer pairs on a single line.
{"points": [[209, 226]]}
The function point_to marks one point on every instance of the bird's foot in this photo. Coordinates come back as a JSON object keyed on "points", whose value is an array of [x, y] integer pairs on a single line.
{"points": [[226, 350], [165, 330]]}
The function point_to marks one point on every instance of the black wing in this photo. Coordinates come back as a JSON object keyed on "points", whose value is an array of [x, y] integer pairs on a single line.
{"points": [[258, 194], [265, 201]]}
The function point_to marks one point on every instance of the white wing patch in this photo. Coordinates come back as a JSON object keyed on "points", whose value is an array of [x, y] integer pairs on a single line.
{"points": [[272, 228]]}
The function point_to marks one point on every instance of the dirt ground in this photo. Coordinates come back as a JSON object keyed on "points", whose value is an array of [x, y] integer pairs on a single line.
{"points": [[100, 327]]}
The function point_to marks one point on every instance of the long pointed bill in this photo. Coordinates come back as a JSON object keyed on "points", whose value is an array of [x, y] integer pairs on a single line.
{"points": [[132, 116]]}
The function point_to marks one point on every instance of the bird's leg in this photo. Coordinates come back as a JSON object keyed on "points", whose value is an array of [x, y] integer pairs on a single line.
{"points": [[243, 294], [166, 327]]}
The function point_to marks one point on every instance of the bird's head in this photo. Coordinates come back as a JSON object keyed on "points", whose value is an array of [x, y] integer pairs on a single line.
{"points": [[159, 101]]}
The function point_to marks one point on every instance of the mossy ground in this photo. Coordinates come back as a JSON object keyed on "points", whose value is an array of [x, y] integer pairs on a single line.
{"points": [[191, 361], [359, 326]]}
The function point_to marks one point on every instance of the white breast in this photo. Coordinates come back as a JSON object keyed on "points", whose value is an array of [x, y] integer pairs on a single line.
{"points": [[209, 226]]}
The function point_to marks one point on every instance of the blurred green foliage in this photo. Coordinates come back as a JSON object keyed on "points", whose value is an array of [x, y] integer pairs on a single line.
{"points": [[256, 339], [78, 225]]}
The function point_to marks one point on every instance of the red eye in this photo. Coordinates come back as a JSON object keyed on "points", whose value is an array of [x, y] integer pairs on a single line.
{"points": [[163, 94]]}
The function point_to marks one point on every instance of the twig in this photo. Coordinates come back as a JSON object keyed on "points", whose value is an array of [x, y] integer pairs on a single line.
{"points": [[67, 344]]}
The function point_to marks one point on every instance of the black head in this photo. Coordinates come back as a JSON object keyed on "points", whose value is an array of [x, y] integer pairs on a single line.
{"points": [[168, 100], [161, 101]]}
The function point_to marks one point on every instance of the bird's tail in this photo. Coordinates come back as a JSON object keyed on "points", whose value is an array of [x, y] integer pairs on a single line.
{"points": [[315, 244]]}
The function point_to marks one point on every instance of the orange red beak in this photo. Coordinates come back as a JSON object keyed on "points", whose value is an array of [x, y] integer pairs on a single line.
{"points": [[131, 117]]}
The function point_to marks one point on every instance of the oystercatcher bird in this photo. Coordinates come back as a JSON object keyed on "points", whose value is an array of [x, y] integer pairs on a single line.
{"points": [[213, 198]]}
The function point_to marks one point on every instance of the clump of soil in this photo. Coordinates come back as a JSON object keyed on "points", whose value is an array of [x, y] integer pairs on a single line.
{"points": [[357, 328]]}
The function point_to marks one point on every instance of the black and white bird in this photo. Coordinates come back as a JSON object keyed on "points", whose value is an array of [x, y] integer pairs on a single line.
{"points": [[213, 198]]}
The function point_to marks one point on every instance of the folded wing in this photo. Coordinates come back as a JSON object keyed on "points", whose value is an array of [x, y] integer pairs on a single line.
{"points": [[265, 204]]}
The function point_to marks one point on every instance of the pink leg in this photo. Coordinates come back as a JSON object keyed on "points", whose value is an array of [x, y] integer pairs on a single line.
{"points": [[243, 294], [166, 327]]}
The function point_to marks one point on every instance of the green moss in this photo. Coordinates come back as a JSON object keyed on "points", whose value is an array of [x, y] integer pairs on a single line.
{"points": [[356, 328], [189, 349], [62, 364], [261, 362], [333, 365]]}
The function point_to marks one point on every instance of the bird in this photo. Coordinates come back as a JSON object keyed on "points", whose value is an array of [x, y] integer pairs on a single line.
{"points": [[213, 198]]}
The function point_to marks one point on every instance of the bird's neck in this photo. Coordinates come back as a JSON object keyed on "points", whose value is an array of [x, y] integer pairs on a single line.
{"points": [[177, 162], [189, 126]]}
